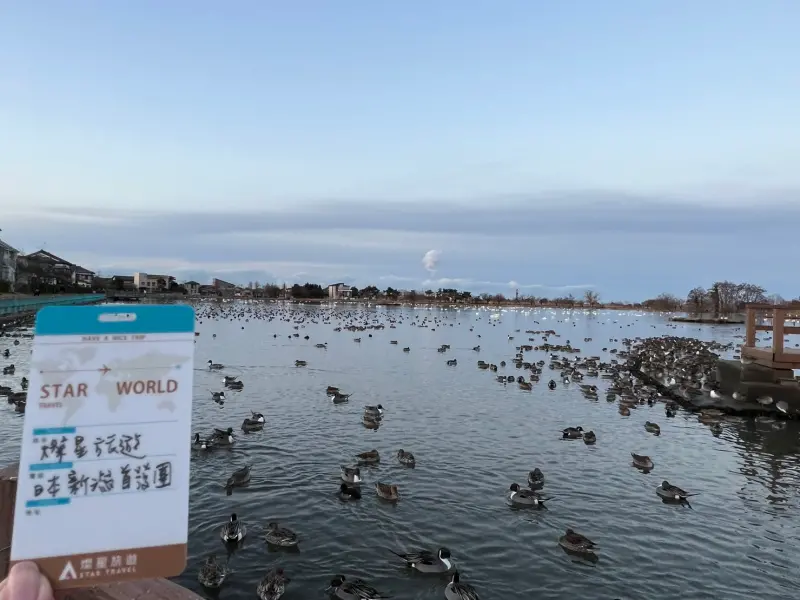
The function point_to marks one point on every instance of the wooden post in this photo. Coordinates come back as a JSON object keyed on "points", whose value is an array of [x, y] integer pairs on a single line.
{"points": [[750, 327], [778, 318], [156, 589]]}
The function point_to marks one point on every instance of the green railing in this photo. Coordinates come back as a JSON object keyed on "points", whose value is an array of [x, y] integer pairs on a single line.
{"points": [[19, 306]]}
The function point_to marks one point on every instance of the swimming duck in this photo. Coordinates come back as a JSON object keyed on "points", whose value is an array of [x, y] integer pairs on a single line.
{"points": [[352, 590], [406, 458], [6, 353], [24, 385], [223, 437], [652, 428], [233, 531], [456, 590], [212, 574], [351, 474], [672, 493], [218, 396], [249, 425], [300, 363], [426, 561], [280, 536], [589, 438], [236, 386], [273, 585], [574, 542], [536, 479], [572, 433], [374, 411], [371, 457], [239, 478], [521, 497], [214, 366], [643, 462], [338, 398], [347, 492], [387, 491], [551, 384], [452, 362], [199, 444], [229, 379]]}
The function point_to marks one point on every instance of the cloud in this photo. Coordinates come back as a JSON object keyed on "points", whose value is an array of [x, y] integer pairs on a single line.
{"points": [[431, 260], [631, 247]]}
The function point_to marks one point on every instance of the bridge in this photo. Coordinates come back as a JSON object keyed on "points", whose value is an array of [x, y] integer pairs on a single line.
{"points": [[773, 318]]}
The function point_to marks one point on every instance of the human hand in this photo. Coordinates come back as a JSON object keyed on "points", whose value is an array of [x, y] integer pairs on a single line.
{"points": [[25, 582]]}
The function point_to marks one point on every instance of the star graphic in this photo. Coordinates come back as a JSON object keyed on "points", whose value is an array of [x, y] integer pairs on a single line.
{"points": [[104, 370]]}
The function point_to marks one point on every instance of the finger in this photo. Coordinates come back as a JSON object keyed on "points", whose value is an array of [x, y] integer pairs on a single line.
{"points": [[24, 582]]}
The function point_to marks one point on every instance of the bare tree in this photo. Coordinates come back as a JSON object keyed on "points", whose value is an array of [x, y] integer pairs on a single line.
{"points": [[749, 292], [698, 300], [591, 297], [664, 302], [725, 297]]}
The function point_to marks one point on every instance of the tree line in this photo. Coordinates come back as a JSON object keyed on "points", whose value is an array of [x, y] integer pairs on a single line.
{"points": [[721, 298]]}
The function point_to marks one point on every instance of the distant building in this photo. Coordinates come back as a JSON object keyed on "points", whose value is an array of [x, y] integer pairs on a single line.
{"points": [[52, 269], [122, 283], [339, 290], [207, 290], [146, 282], [8, 263], [192, 288], [223, 285]]}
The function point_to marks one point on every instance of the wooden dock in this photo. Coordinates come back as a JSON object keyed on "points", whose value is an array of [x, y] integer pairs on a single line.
{"points": [[156, 589], [772, 317]]}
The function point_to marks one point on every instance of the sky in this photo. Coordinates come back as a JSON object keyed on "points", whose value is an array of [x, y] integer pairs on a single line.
{"points": [[628, 147]]}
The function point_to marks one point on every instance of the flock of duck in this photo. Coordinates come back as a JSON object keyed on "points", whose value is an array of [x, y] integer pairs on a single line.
{"points": [[684, 365]]}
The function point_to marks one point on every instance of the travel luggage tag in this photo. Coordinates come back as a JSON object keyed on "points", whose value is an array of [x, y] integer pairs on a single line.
{"points": [[103, 487]]}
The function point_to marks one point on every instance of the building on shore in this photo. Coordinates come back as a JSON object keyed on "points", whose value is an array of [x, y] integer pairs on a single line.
{"points": [[145, 282], [192, 287], [337, 291], [43, 267], [8, 264]]}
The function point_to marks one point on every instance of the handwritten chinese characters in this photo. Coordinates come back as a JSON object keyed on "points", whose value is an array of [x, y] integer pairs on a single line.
{"points": [[86, 482], [114, 445]]}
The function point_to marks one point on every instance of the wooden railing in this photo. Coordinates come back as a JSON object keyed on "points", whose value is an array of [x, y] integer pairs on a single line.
{"points": [[776, 355], [160, 589]]}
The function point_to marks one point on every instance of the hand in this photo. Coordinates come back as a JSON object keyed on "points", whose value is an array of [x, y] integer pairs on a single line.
{"points": [[25, 582]]}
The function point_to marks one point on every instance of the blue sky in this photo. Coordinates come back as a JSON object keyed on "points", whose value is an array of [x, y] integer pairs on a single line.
{"points": [[626, 145]]}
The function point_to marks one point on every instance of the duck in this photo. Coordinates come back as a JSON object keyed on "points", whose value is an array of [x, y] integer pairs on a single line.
{"points": [[551, 384], [229, 379], [199, 444], [589, 438], [212, 574], [406, 458], [233, 531], [356, 589], [643, 462], [452, 362], [300, 363], [572, 433], [217, 396], [351, 474], [223, 437], [672, 493], [387, 491], [239, 478], [374, 411], [273, 585], [371, 457], [254, 423], [521, 497], [338, 398], [652, 428], [280, 536], [426, 561], [214, 366], [236, 386], [456, 590], [536, 479], [347, 492], [572, 541]]}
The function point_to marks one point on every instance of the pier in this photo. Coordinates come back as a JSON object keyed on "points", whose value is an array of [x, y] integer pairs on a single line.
{"points": [[773, 318], [159, 589], [19, 306]]}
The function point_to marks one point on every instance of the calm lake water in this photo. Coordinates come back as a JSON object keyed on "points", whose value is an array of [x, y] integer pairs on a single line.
{"points": [[472, 438]]}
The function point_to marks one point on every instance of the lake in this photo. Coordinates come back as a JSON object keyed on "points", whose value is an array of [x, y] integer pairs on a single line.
{"points": [[472, 437]]}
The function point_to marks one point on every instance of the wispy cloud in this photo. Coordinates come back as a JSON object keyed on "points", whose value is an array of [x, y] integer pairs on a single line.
{"points": [[629, 247]]}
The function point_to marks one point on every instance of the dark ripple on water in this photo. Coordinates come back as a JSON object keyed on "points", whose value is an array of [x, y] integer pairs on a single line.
{"points": [[472, 438]]}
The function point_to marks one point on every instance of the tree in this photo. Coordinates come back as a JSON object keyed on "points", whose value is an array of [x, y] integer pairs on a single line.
{"points": [[412, 295], [369, 292], [749, 292], [391, 292], [591, 297], [725, 296], [698, 299], [429, 293], [663, 302], [353, 292], [271, 290]]}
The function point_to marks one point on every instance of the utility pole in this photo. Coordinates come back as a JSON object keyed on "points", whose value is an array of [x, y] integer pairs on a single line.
{"points": [[516, 296]]}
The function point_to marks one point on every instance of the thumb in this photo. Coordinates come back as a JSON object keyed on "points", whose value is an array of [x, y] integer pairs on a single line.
{"points": [[25, 582]]}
